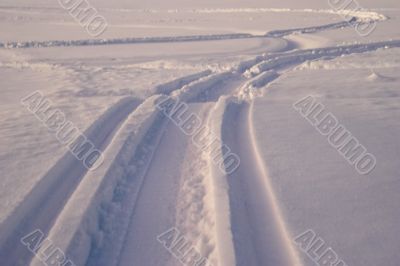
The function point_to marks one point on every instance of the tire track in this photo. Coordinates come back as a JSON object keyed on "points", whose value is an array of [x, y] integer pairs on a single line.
{"points": [[260, 236], [137, 187], [43, 204], [259, 233], [190, 38]]}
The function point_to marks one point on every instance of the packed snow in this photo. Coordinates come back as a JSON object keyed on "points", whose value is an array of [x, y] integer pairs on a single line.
{"points": [[200, 133]]}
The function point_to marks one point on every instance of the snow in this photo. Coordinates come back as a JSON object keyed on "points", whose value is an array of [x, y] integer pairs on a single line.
{"points": [[237, 67], [317, 189]]}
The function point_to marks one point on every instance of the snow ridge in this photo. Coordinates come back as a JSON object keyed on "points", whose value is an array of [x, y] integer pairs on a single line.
{"points": [[61, 180]]}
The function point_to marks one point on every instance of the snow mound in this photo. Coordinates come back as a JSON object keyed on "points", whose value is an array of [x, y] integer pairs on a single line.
{"points": [[378, 77]]}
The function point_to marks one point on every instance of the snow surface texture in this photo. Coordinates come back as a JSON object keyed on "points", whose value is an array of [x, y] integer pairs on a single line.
{"points": [[238, 68]]}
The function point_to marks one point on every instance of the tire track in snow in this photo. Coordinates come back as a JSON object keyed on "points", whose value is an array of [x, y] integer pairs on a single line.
{"points": [[332, 26], [142, 216], [28, 217], [41, 206], [135, 192], [255, 218], [138, 40], [93, 238], [195, 209], [44, 203], [374, 17], [286, 60], [154, 210], [259, 234], [128, 191]]}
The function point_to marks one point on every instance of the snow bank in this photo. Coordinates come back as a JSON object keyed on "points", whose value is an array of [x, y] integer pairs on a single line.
{"points": [[226, 251], [76, 229], [169, 87]]}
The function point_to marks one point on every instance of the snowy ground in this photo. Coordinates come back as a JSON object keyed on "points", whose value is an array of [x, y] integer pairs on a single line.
{"points": [[162, 193]]}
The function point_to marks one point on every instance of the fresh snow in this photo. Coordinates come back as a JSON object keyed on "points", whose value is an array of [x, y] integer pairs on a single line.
{"points": [[236, 69]]}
